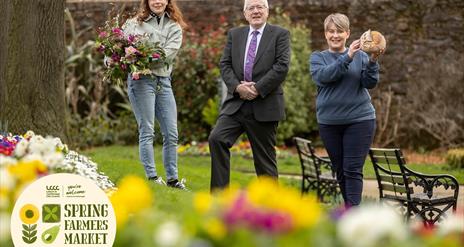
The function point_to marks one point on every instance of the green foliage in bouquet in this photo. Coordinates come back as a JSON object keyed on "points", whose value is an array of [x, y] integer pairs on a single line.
{"points": [[124, 54]]}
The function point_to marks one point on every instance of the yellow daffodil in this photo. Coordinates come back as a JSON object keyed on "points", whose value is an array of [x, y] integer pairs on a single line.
{"points": [[202, 202], [26, 171], [215, 228], [132, 196], [29, 214]]}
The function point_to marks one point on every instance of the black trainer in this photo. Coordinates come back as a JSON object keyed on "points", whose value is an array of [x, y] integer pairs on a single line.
{"points": [[177, 184]]}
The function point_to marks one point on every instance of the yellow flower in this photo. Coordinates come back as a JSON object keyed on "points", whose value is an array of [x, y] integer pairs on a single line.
{"points": [[29, 214], [132, 196], [202, 202], [215, 228], [305, 211], [26, 171]]}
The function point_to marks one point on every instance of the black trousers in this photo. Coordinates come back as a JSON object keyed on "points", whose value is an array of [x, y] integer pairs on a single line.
{"points": [[262, 137], [348, 146]]}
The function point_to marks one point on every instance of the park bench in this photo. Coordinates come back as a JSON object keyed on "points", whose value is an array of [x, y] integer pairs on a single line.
{"points": [[317, 173], [416, 195]]}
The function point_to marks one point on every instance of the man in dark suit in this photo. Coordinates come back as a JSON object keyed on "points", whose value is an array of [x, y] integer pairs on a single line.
{"points": [[254, 65]]}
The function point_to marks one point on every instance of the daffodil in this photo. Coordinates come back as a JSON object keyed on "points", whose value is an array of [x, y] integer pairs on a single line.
{"points": [[202, 202]]}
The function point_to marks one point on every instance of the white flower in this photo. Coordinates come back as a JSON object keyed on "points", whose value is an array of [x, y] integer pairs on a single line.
{"points": [[52, 160], [6, 181], [4, 227], [168, 234], [21, 148], [6, 160], [370, 225], [32, 157], [452, 224], [29, 133]]}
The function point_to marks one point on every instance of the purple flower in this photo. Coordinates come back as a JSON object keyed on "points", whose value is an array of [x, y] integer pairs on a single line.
{"points": [[123, 66], [115, 57], [101, 48], [131, 38]]}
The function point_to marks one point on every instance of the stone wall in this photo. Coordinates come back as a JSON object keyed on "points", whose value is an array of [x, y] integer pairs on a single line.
{"points": [[425, 43]]}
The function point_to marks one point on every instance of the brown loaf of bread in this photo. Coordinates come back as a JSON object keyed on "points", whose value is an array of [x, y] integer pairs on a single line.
{"points": [[372, 41]]}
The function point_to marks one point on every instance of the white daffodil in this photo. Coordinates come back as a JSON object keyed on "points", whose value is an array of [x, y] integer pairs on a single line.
{"points": [[21, 148], [371, 225], [168, 234]]}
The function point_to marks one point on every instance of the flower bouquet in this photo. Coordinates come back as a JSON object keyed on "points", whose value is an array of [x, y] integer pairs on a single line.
{"points": [[125, 54]]}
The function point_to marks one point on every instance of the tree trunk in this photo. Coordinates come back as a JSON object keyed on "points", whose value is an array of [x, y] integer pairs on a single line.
{"points": [[32, 46]]}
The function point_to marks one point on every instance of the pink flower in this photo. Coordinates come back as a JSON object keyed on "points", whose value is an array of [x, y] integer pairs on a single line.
{"points": [[118, 31], [131, 50], [155, 55], [135, 76], [123, 66], [103, 34]]}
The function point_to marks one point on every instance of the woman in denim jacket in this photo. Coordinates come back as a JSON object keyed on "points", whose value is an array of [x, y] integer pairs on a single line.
{"points": [[152, 97]]}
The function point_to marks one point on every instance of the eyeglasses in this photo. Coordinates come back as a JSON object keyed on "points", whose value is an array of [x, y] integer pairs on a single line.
{"points": [[257, 7]]}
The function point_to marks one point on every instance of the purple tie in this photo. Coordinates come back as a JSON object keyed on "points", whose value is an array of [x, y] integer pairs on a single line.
{"points": [[251, 54]]}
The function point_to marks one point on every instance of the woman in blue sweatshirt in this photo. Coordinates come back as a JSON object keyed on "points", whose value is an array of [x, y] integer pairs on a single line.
{"points": [[345, 114]]}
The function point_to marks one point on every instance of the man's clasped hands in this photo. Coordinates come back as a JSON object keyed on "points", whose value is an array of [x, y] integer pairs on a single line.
{"points": [[247, 90]]}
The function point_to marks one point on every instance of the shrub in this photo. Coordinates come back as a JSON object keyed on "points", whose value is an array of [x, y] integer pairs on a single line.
{"points": [[455, 158], [299, 90]]}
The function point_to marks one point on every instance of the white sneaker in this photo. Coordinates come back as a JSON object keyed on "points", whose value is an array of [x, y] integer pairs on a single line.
{"points": [[158, 180]]}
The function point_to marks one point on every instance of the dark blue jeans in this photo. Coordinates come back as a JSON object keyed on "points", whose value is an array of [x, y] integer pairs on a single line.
{"points": [[348, 146]]}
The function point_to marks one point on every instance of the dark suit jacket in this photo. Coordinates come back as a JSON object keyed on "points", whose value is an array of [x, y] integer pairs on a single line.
{"points": [[269, 71]]}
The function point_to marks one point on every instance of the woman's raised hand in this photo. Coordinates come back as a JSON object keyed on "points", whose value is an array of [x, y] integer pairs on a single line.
{"points": [[354, 47]]}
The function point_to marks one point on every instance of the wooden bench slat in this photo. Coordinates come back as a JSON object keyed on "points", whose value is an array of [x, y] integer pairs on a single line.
{"points": [[386, 160], [394, 188], [394, 179]]}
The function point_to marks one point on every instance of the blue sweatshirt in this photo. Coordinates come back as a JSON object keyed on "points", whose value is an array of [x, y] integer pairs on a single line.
{"points": [[342, 83]]}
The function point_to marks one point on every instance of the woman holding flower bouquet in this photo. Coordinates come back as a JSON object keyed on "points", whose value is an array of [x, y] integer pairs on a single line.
{"points": [[151, 96]]}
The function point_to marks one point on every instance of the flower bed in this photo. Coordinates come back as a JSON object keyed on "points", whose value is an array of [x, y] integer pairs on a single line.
{"points": [[242, 148]]}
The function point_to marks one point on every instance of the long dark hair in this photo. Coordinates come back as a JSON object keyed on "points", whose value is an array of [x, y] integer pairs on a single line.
{"points": [[171, 8]]}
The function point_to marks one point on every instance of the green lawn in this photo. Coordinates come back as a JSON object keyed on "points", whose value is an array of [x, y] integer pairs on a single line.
{"points": [[118, 161]]}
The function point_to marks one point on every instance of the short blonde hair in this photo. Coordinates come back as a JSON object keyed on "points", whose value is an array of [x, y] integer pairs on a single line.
{"points": [[340, 21]]}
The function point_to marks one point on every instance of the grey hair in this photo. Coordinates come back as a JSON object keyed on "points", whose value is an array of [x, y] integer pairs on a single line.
{"points": [[245, 4]]}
